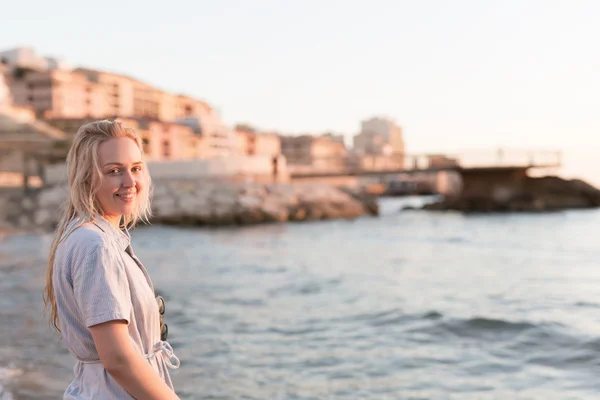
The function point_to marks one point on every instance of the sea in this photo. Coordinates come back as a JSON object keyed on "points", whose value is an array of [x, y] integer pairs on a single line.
{"points": [[407, 305]]}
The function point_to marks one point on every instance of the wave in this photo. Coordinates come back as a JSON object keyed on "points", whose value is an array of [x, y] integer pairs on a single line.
{"points": [[303, 288], [484, 324], [587, 304]]}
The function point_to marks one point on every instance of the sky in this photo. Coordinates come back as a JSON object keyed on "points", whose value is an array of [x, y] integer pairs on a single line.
{"points": [[455, 75]]}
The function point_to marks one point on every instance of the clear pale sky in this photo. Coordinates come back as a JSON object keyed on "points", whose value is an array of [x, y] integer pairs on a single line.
{"points": [[456, 75]]}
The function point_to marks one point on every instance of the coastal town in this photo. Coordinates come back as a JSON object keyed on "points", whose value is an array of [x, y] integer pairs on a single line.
{"points": [[174, 127], [210, 172], [44, 100]]}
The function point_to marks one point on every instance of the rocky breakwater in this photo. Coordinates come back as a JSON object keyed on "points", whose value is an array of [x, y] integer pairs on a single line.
{"points": [[208, 203], [528, 194]]}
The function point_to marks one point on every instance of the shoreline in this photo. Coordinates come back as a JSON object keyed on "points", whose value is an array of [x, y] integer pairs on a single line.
{"points": [[205, 203]]}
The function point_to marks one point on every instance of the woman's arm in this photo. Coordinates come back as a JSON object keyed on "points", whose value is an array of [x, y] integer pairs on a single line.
{"points": [[126, 365]]}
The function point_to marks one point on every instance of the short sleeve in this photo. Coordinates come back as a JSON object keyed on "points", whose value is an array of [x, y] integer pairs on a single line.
{"points": [[101, 287]]}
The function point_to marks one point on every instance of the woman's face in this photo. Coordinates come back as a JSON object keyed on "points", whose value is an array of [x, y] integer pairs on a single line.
{"points": [[123, 178]]}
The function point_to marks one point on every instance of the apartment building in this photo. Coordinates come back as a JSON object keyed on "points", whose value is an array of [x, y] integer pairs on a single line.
{"points": [[251, 143], [62, 94], [120, 91], [26, 57], [218, 139], [160, 140], [318, 152], [57, 93], [379, 136]]}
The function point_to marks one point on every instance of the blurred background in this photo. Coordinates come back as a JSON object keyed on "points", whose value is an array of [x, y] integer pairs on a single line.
{"points": [[353, 200]]}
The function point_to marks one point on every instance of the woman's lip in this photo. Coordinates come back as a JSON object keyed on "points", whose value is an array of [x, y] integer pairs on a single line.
{"points": [[125, 196]]}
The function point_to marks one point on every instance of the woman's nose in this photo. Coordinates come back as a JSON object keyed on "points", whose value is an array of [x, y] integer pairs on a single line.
{"points": [[128, 180]]}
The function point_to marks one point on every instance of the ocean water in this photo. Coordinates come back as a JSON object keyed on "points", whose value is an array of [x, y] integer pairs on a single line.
{"points": [[409, 305]]}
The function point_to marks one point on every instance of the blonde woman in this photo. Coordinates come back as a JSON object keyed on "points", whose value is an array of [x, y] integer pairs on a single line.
{"points": [[98, 293]]}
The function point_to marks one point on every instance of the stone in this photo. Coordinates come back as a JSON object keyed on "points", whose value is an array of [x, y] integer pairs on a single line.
{"points": [[297, 213], [246, 217], [164, 207], [548, 193], [273, 210], [188, 202], [44, 218], [253, 190], [248, 202], [24, 221], [53, 197], [285, 194]]}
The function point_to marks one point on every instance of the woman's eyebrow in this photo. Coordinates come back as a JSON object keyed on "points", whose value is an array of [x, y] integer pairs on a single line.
{"points": [[121, 165]]}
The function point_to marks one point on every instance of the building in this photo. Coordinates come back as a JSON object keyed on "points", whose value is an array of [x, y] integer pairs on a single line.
{"points": [[23, 57], [313, 152], [160, 140], [129, 97], [334, 137], [25, 147], [71, 96], [167, 106], [7, 106], [164, 141], [84, 93], [379, 136], [371, 143], [217, 138], [186, 106], [251, 143], [5, 96], [58, 93], [123, 95]]}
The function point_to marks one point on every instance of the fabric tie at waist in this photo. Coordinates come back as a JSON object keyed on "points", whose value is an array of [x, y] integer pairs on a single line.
{"points": [[165, 349], [162, 347]]}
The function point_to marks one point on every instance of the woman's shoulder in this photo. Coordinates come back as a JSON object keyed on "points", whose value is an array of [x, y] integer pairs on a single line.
{"points": [[82, 238]]}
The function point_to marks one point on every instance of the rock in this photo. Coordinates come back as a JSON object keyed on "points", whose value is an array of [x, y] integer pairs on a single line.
{"points": [[253, 190], [206, 202], [286, 194], [44, 218], [190, 204], [24, 221], [247, 217], [273, 210], [249, 202], [297, 213], [52, 197], [223, 197], [350, 209], [164, 206], [529, 194], [369, 201]]}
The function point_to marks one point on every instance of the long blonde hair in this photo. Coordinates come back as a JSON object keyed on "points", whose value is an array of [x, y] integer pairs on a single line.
{"points": [[84, 177]]}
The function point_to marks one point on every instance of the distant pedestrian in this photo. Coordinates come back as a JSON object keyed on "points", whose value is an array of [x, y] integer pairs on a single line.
{"points": [[98, 293]]}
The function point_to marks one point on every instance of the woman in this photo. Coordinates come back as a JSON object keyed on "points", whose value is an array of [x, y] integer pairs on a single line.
{"points": [[98, 293]]}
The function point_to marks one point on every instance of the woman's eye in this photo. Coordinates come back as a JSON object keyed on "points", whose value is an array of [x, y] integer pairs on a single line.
{"points": [[113, 171], [137, 169]]}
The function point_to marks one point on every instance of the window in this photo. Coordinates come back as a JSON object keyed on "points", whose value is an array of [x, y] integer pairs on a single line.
{"points": [[146, 145], [166, 149]]}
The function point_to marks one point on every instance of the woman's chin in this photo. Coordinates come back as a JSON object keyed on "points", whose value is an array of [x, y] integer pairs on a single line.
{"points": [[125, 209]]}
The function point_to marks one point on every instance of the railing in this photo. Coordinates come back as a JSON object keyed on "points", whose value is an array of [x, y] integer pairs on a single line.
{"points": [[356, 164]]}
